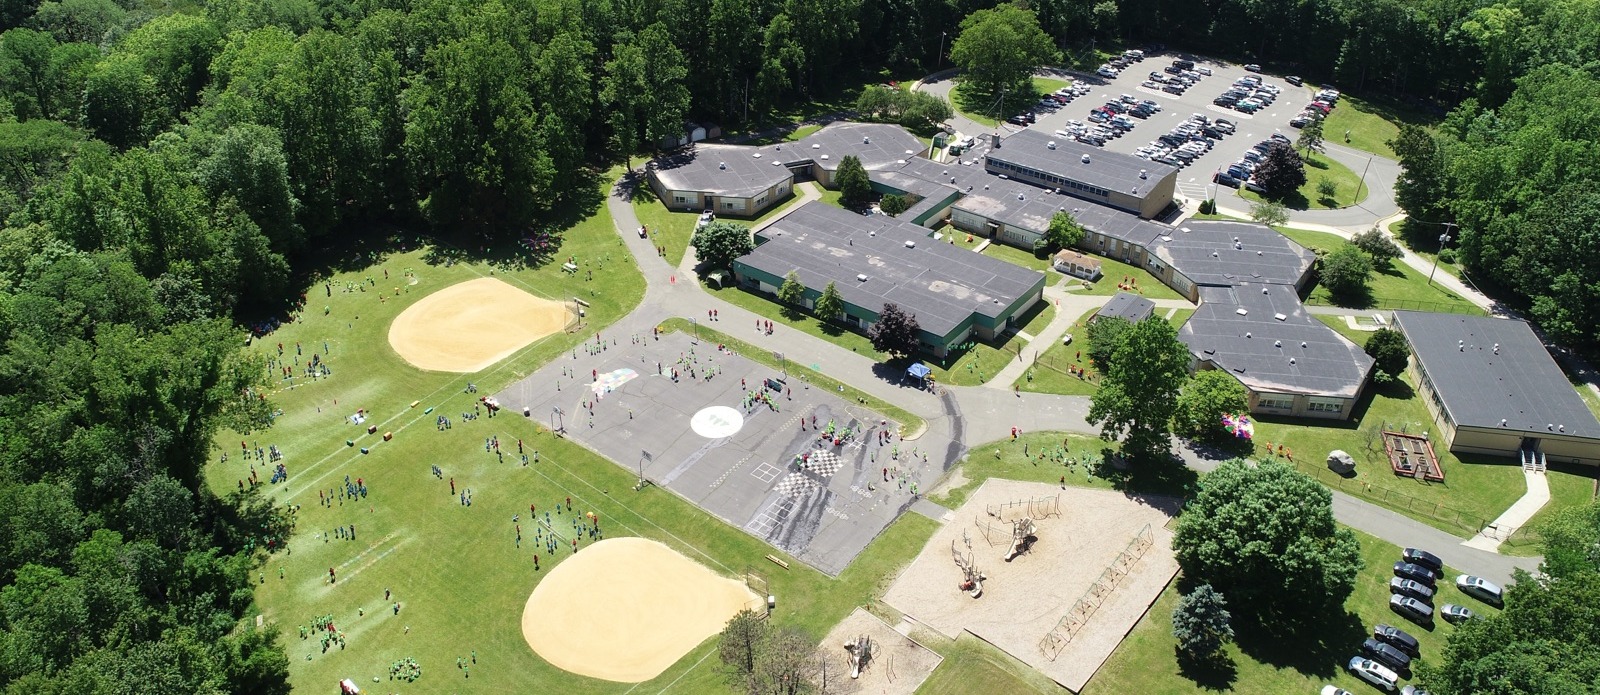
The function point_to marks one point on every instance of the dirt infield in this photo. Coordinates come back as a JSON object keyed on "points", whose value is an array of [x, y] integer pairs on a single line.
{"points": [[625, 609], [469, 326], [897, 665], [1027, 598]]}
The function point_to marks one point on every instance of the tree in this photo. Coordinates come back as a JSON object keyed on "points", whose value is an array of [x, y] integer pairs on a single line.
{"points": [[1269, 212], [893, 204], [1209, 395], [1310, 139], [1105, 336], [1137, 397], [855, 190], [1201, 622], [643, 90], [1422, 188], [1064, 231], [1378, 245], [829, 305], [741, 640], [895, 332], [1281, 172], [1264, 534], [791, 292], [1345, 272], [788, 663], [999, 49], [1327, 188], [1389, 351], [718, 243]]}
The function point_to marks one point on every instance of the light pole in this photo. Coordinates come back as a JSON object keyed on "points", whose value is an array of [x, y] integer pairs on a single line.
{"points": [[1363, 180], [696, 325], [942, 36], [1443, 239]]}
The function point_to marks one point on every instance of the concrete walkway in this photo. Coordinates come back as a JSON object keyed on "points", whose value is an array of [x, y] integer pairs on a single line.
{"points": [[1517, 516], [1070, 308]]}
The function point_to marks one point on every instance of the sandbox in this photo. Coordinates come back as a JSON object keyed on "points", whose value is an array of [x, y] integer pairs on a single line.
{"points": [[625, 609], [1062, 607], [896, 664], [471, 325]]}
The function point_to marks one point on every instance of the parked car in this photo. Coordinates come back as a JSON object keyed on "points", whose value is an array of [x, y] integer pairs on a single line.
{"points": [[1172, 89], [1256, 188], [1373, 672], [1223, 125], [1425, 559], [1106, 71], [1387, 655], [1299, 122], [1412, 690], [1183, 64], [1406, 570], [1203, 70], [1481, 589], [1225, 101], [1294, 80], [1456, 613], [1018, 120], [1252, 67], [1334, 690], [1226, 179], [1417, 611], [1396, 637], [1279, 137], [1408, 587]]}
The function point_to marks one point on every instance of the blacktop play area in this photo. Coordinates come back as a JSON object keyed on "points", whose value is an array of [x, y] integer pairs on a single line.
{"points": [[1100, 559], [742, 461]]}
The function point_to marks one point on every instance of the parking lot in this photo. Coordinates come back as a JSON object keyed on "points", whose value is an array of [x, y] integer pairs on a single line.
{"points": [[1194, 181]]}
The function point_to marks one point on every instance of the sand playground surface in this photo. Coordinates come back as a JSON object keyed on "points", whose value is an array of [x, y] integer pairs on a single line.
{"points": [[896, 665], [471, 325], [625, 609], [1025, 601]]}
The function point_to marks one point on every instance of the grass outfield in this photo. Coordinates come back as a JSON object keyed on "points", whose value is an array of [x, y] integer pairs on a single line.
{"points": [[457, 571], [1145, 662]]}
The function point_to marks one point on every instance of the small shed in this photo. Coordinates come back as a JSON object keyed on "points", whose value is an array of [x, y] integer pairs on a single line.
{"points": [[1128, 306], [1077, 264]]}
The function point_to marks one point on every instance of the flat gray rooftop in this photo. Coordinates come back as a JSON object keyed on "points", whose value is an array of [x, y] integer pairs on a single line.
{"points": [[1223, 253], [940, 283], [1521, 385], [877, 145], [1118, 172], [1238, 329], [724, 170], [1127, 306]]}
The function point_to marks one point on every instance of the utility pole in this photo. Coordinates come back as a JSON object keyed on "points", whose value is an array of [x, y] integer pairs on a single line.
{"points": [[942, 36], [1363, 180]]}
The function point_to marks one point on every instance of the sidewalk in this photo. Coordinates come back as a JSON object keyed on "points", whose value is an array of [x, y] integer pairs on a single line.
{"points": [[1069, 309], [1538, 494]]}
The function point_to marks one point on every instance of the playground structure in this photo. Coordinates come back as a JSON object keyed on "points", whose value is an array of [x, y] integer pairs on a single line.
{"points": [[1023, 534], [1411, 455], [1023, 600], [972, 579], [1013, 511], [1084, 608], [860, 651]]}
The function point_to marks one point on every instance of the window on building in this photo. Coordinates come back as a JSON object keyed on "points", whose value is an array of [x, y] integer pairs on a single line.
{"points": [[680, 199], [1325, 405], [1275, 401]]}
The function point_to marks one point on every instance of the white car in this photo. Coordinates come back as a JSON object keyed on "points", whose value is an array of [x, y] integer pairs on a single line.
{"points": [[1374, 673], [1481, 589], [1106, 71], [1334, 690]]}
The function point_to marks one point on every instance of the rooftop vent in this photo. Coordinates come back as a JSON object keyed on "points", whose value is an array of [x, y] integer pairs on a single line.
{"points": [[1185, 229], [722, 165], [1258, 253], [1213, 254], [1242, 311], [952, 179], [1263, 290], [777, 163], [1282, 317], [861, 277], [1291, 360], [865, 140], [1302, 345], [756, 155], [1086, 158], [816, 146], [824, 156], [1142, 174], [1502, 422], [1051, 144], [911, 244], [1020, 197], [1277, 343], [1496, 348]]}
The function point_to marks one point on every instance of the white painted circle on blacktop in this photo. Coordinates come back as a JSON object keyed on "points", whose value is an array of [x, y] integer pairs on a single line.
{"points": [[716, 422]]}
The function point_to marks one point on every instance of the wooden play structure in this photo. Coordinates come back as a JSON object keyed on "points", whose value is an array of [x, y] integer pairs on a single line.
{"points": [[1412, 456]]}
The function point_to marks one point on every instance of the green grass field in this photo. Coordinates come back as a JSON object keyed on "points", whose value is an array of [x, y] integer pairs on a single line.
{"points": [[769, 307], [1349, 188], [1569, 487], [981, 108], [1396, 286], [1371, 124], [1049, 373], [1016, 256], [969, 660], [1473, 492], [1112, 274], [1338, 324], [673, 228], [438, 557], [1146, 661]]}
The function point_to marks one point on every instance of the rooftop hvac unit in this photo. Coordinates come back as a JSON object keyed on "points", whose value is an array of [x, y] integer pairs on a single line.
{"points": [[861, 277], [816, 146], [1086, 158], [824, 156], [911, 244]]}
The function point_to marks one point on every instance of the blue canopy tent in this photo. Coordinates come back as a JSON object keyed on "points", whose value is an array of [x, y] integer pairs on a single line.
{"points": [[919, 370]]}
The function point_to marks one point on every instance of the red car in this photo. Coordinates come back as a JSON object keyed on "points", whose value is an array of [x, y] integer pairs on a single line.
{"points": [[1324, 108]]}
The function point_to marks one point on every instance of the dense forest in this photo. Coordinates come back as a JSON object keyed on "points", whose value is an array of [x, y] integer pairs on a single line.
{"points": [[170, 172]]}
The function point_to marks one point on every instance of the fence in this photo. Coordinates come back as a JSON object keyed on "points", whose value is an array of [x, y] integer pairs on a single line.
{"points": [[1463, 523], [1414, 305]]}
